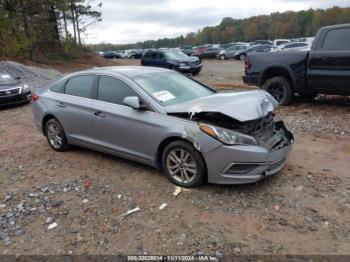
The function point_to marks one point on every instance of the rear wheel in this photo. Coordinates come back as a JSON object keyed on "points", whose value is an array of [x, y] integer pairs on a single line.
{"points": [[242, 57], [280, 88], [55, 135], [222, 57], [183, 164]]}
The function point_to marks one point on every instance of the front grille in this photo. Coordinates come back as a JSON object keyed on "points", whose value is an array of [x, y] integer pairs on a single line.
{"points": [[10, 92]]}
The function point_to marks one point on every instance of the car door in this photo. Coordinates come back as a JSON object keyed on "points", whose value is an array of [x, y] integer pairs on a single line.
{"points": [[118, 128], [207, 53], [329, 63], [231, 51], [73, 108], [161, 62]]}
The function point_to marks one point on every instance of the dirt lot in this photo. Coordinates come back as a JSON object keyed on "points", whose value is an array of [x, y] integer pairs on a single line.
{"points": [[302, 210]]}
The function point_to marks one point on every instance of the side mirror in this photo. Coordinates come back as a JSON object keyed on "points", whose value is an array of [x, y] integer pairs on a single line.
{"points": [[134, 102]]}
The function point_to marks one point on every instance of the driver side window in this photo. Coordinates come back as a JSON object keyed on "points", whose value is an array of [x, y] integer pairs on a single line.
{"points": [[113, 90]]}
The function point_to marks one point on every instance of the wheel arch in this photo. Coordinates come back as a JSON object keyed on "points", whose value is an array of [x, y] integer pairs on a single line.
{"points": [[165, 142], [46, 118], [277, 70]]}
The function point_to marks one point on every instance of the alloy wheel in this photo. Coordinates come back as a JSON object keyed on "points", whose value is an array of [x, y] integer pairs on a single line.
{"points": [[277, 91], [181, 165], [54, 135]]}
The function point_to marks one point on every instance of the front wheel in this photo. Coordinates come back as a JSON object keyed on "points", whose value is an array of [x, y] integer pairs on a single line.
{"points": [[55, 135], [222, 57], [280, 88], [183, 164], [242, 57], [196, 72]]}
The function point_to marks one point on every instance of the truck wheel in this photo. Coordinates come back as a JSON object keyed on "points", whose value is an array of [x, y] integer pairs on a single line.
{"points": [[280, 88]]}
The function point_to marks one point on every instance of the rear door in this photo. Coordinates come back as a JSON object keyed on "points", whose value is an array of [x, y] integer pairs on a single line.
{"points": [[161, 62], [120, 128], [329, 63], [73, 108], [150, 59]]}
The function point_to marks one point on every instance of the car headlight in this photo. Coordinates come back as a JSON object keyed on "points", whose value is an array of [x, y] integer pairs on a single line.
{"points": [[182, 65], [227, 136], [25, 88]]}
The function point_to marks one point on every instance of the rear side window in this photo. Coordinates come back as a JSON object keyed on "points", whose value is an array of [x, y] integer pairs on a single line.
{"points": [[113, 90], [151, 55], [160, 55], [58, 87], [80, 86], [148, 54], [337, 39]]}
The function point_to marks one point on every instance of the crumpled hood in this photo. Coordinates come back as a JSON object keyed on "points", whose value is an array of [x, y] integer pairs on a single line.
{"points": [[241, 105]]}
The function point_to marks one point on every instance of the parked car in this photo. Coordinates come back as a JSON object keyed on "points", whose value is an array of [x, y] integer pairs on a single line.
{"points": [[188, 50], [112, 55], [262, 42], [166, 120], [210, 52], [199, 50], [226, 46], [12, 91], [133, 54], [172, 59], [324, 69], [278, 42], [241, 54], [292, 46], [230, 52]]}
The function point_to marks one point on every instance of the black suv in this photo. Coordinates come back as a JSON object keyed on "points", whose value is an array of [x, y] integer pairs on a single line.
{"points": [[172, 59]]}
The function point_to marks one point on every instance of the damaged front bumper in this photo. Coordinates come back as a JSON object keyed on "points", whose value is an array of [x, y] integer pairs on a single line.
{"points": [[242, 164]]}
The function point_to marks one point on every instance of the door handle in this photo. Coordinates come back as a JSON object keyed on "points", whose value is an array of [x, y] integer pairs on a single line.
{"points": [[61, 104], [99, 114]]}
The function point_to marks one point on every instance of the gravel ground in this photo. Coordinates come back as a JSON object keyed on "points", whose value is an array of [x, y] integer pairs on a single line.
{"points": [[73, 202]]}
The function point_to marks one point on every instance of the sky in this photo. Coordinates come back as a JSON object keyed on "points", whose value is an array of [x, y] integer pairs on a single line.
{"points": [[130, 21]]}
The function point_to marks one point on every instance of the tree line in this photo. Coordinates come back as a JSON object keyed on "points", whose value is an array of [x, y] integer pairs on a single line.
{"points": [[276, 25], [29, 28]]}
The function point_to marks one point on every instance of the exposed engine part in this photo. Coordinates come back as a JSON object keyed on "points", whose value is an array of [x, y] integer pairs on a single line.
{"points": [[267, 133]]}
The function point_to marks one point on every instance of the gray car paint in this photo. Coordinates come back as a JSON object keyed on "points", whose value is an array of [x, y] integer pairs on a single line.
{"points": [[242, 106], [137, 135]]}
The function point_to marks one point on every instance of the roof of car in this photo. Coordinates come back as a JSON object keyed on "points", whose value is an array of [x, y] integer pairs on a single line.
{"points": [[129, 71]]}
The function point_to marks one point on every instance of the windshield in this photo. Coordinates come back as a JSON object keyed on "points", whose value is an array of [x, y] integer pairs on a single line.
{"points": [[174, 54], [170, 88], [4, 77]]}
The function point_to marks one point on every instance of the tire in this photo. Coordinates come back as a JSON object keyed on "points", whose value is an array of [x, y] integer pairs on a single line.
{"points": [[196, 72], [222, 57], [241, 57], [54, 127], [192, 171], [280, 88]]}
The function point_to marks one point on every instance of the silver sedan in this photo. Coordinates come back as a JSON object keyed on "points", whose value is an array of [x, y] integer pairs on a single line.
{"points": [[166, 120]]}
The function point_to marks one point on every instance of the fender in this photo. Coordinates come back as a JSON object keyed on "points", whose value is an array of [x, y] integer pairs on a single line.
{"points": [[280, 66]]}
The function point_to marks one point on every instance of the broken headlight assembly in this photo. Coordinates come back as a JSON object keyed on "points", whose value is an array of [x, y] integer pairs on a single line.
{"points": [[226, 136]]}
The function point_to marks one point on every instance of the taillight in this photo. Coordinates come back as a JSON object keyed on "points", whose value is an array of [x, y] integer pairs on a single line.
{"points": [[247, 64], [34, 97]]}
